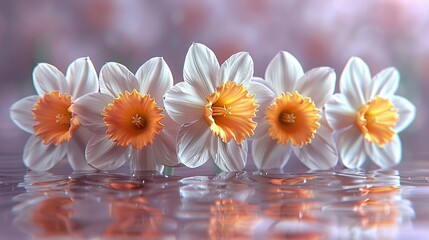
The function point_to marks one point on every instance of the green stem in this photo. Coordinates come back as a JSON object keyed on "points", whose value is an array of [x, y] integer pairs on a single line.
{"points": [[216, 170], [168, 171]]}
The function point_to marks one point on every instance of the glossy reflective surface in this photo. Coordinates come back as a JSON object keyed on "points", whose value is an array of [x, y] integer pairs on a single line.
{"points": [[195, 204], [341, 204]]}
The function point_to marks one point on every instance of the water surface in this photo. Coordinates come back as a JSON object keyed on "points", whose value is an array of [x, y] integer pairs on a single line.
{"points": [[340, 204]]}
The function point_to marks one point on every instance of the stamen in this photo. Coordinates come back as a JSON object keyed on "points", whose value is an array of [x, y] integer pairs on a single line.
{"points": [[138, 121], [287, 118], [61, 119], [221, 111]]}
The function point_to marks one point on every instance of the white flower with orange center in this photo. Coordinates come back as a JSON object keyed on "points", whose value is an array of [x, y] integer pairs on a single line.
{"points": [[49, 115], [368, 115], [291, 115], [215, 109], [128, 120]]}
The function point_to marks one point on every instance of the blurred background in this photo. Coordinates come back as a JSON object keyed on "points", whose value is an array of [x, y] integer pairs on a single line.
{"points": [[319, 33]]}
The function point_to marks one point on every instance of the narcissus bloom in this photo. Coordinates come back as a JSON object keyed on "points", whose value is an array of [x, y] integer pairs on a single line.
{"points": [[291, 117], [128, 120], [369, 115], [215, 109], [49, 115]]}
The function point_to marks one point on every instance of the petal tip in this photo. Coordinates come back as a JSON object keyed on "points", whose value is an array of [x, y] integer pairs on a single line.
{"points": [[285, 53], [355, 58], [356, 61]]}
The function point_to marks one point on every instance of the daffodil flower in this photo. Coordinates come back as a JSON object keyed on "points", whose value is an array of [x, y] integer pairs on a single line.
{"points": [[214, 108], [292, 115], [128, 120], [368, 115], [49, 115]]}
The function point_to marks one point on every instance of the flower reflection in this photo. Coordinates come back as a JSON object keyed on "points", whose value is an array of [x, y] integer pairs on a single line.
{"points": [[372, 211], [134, 217], [301, 211], [61, 206], [218, 206], [47, 184], [368, 191], [290, 209], [207, 189], [47, 208], [231, 219], [124, 186], [377, 213], [228, 206], [290, 181], [53, 217], [382, 207], [48, 216], [284, 189]]}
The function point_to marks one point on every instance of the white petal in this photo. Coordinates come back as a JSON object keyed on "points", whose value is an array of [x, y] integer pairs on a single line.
{"points": [[355, 82], [351, 147], [406, 112], [21, 115], [261, 129], [263, 96], [231, 157], [47, 78], [267, 154], [144, 160], [171, 128], [318, 84], [321, 153], [42, 157], [89, 108], [238, 68], [195, 143], [165, 147], [167, 142], [104, 154], [76, 150], [82, 77], [155, 79], [385, 83], [182, 103], [339, 112], [283, 72], [162, 151], [115, 78], [387, 156], [201, 69], [265, 83]]}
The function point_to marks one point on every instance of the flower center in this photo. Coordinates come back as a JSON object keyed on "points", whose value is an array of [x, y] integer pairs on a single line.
{"points": [[138, 121], [287, 118], [133, 119], [376, 120], [292, 118], [229, 112], [55, 122], [221, 111]]}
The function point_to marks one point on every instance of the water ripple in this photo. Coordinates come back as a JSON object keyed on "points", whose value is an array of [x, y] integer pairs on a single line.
{"points": [[323, 204]]}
